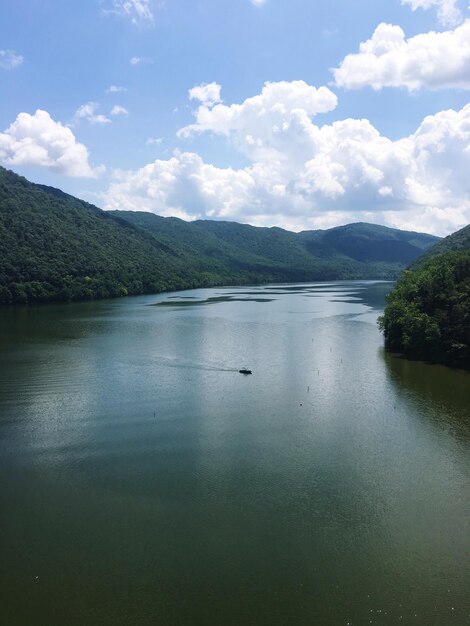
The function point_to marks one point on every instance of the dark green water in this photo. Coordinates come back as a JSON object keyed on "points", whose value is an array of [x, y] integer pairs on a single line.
{"points": [[144, 481]]}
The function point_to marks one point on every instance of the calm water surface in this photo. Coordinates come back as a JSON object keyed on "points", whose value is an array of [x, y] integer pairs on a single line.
{"points": [[144, 481]]}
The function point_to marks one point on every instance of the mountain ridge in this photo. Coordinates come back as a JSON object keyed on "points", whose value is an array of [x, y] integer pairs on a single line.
{"points": [[460, 240], [55, 247], [303, 246]]}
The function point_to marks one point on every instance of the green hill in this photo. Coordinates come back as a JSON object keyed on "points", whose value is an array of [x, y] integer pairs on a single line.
{"points": [[268, 254], [56, 247], [460, 240], [427, 315], [347, 252], [372, 243]]}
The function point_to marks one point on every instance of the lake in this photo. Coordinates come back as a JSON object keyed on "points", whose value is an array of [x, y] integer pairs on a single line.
{"points": [[144, 481]]}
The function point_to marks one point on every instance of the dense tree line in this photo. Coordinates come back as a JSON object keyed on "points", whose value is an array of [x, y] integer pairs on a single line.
{"points": [[427, 315]]}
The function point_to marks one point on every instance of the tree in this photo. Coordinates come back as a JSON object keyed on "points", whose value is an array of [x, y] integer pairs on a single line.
{"points": [[428, 313]]}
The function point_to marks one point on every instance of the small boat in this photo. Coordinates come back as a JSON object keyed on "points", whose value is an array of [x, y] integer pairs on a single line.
{"points": [[245, 370]]}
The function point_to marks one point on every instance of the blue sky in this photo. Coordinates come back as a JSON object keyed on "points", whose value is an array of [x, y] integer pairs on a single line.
{"points": [[273, 136]]}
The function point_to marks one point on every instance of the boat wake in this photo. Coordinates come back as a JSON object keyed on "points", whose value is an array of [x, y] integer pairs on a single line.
{"points": [[181, 363]]}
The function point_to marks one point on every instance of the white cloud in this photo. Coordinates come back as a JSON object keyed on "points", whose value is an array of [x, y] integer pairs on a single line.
{"points": [[87, 112], [40, 141], [138, 11], [447, 10], [303, 175], [154, 141], [116, 89], [431, 60], [119, 110], [184, 186], [260, 125], [9, 59], [140, 60], [208, 94], [258, 3]]}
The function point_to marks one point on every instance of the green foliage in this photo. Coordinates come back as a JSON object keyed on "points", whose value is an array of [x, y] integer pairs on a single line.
{"points": [[287, 256], [54, 247], [427, 315], [372, 243], [460, 240]]}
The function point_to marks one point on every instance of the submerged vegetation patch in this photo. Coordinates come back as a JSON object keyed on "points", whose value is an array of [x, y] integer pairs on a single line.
{"points": [[215, 300]]}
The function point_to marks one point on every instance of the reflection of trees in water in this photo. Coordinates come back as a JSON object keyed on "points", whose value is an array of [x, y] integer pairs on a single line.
{"points": [[374, 295], [435, 391]]}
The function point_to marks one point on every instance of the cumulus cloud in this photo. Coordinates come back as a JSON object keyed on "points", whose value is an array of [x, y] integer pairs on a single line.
{"points": [[302, 175], [138, 11], [116, 89], [119, 110], [9, 59], [88, 112], [271, 124], [208, 94], [431, 60], [40, 141], [184, 186], [447, 10], [154, 141]]}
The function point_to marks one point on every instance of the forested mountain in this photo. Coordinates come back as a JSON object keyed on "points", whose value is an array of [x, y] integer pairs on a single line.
{"points": [[428, 313], [346, 252], [460, 240], [56, 247], [373, 243]]}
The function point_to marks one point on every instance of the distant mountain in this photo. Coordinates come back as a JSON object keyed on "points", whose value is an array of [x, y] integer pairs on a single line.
{"points": [[373, 243], [354, 251], [57, 247]]}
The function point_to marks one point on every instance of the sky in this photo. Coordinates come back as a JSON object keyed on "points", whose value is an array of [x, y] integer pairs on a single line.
{"points": [[292, 113]]}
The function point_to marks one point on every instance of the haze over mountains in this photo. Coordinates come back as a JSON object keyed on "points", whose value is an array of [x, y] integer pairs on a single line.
{"points": [[57, 247]]}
